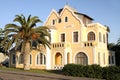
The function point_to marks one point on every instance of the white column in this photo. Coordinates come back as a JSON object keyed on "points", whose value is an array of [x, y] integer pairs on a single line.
{"points": [[94, 51], [48, 58], [65, 57]]}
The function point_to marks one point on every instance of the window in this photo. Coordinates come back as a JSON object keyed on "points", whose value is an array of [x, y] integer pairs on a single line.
{"points": [[81, 58], [112, 60], [109, 59], [41, 59], [30, 59], [21, 59], [13, 59], [91, 36], [107, 37], [59, 20], [104, 57], [99, 58], [62, 37], [100, 37], [104, 38], [53, 22], [75, 36], [66, 19]]}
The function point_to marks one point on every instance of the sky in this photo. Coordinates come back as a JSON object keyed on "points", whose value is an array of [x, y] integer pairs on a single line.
{"points": [[106, 12]]}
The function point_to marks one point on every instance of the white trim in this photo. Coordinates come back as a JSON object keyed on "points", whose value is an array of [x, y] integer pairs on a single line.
{"points": [[48, 58], [59, 15], [53, 11], [66, 7]]}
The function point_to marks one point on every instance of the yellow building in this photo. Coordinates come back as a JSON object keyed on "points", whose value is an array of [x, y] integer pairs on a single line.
{"points": [[75, 38]]}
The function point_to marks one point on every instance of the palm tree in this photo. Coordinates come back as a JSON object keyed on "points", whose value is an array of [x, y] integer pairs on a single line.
{"points": [[24, 35]]}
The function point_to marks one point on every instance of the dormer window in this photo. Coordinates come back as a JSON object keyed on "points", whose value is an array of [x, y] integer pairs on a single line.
{"points": [[53, 22], [66, 19]]}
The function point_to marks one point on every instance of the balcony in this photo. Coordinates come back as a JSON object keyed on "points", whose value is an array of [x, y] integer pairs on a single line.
{"points": [[60, 45], [89, 43]]}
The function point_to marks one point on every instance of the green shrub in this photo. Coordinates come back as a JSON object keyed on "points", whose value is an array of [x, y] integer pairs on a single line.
{"points": [[73, 70], [111, 73], [92, 71]]}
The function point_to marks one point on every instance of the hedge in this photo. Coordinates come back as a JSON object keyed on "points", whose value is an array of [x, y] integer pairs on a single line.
{"points": [[92, 71]]}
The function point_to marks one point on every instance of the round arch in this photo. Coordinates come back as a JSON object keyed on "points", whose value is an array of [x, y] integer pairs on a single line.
{"points": [[81, 58], [91, 36], [58, 59]]}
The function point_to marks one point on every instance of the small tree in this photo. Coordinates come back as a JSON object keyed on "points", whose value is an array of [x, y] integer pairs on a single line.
{"points": [[24, 35]]}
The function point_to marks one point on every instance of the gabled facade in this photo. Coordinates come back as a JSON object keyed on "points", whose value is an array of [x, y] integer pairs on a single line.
{"points": [[75, 38]]}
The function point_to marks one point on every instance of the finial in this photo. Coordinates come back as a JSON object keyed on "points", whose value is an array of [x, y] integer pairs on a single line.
{"points": [[66, 2]]}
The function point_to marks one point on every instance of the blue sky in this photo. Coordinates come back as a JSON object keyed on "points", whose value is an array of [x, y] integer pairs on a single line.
{"points": [[106, 12]]}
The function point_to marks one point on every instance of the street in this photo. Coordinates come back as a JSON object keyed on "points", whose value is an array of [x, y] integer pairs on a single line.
{"points": [[13, 75]]}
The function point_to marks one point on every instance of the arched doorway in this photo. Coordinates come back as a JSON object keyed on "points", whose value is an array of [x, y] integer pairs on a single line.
{"points": [[81, 58], [58, 59]]}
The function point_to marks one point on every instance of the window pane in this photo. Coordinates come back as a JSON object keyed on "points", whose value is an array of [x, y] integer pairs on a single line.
{"points": [[99, 36], [66, 19], [62, 37], [81, 58], [75, 36], [91, 36], [41, 59]]}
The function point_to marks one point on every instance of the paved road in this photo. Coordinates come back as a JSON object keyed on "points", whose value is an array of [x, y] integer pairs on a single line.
{"points": [[12, 75]]}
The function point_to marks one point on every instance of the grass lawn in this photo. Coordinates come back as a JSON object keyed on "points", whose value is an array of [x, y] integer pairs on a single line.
{"points": [[32, 70], [21, 70]]}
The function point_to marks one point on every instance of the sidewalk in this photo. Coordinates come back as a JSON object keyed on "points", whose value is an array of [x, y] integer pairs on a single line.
{"points": [[13, 75]]}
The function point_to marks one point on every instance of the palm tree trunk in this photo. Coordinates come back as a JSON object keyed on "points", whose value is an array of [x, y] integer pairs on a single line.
{"points": [[27, 56]]}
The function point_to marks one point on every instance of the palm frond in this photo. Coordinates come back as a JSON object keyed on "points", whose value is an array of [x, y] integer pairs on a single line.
{"points": [[14, 26]]}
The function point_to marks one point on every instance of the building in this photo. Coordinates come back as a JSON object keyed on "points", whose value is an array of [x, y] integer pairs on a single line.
{"points": [[75, 38], [3, 58]]}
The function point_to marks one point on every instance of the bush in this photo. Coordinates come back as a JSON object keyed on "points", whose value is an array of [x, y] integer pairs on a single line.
{"points": [[111, 73], [92, 71], [73, 70]]}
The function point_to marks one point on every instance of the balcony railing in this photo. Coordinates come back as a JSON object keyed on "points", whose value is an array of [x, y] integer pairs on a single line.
{"points": [[58, 67], [60, 45], [89, 43]]}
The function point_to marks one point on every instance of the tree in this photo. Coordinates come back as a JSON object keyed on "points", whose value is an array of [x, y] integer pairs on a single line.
{"points": [[2, 50], [116, 48], [24, 35]]}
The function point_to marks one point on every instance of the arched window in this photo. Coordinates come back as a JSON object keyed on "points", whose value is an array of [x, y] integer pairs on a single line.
{"points": [[53, 22], [21, 59], [104, 38], [41, 59], [100, 37], [81, 58], [91, 36], [66, 19], [99, 60]]}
